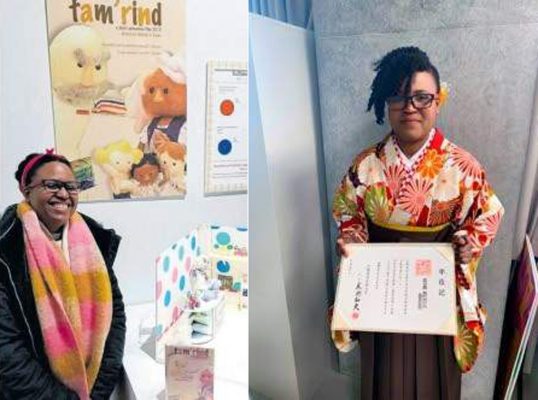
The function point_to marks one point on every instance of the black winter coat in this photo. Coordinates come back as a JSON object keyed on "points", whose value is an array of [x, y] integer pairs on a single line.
{"points": [[24, 369]]}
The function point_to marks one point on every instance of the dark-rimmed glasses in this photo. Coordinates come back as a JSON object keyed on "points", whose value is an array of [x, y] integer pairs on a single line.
{"points": [[420, 101], [54, 186]]}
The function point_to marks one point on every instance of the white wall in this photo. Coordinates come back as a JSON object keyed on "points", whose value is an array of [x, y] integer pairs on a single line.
{"points": [[272, 360], [291, 174], [215, 30]]}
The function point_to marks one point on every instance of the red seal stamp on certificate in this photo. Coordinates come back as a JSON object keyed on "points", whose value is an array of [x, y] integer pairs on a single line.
{"points": [[423, 268]]}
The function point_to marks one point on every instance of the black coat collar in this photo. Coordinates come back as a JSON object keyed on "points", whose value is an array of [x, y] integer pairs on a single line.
{"points": [[12, 246]]}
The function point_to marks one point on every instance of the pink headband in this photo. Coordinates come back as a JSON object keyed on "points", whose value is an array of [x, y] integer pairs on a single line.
{"points": [[33, 162]]}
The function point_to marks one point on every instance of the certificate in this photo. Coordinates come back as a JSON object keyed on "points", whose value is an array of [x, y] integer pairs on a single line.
{"points": [[397, 287]]}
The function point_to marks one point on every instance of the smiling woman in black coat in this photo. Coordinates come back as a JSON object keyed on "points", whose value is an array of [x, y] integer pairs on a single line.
{"points": [[25, 371]]}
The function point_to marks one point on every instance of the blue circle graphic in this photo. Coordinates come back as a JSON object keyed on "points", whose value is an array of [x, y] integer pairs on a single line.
{"points": [[223, 238], [241, 229], [159, 329], [182, 283], [193, 243], [181, 253], [225, 146], [166, 263], [223, 266], [167, 298]]}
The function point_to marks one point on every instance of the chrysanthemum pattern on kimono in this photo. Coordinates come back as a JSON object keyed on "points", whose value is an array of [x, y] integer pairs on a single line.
{"points": [[445, 184]]}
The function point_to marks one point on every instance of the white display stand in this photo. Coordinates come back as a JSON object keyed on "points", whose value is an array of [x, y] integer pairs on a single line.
{"points": [[145, 377], [290, 347]]}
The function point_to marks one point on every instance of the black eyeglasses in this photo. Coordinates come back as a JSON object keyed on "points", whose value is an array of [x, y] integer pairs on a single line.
{"points": [[54, 186], [419, 101]]}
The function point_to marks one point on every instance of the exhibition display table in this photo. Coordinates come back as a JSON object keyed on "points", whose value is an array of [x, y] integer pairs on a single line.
{"points": [[145, 377]]}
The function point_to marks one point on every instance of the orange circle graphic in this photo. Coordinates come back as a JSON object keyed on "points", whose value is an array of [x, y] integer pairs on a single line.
{"points": [[227, 107]]}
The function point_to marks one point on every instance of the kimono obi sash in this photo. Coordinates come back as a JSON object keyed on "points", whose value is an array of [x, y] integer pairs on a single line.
{"points": [[392, 233]]}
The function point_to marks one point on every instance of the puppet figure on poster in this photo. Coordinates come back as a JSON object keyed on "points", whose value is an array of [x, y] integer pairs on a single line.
{"points": [[119, 96]]}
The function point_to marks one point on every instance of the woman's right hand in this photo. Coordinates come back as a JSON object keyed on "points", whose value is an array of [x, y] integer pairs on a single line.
{"points": [[341, 248]]}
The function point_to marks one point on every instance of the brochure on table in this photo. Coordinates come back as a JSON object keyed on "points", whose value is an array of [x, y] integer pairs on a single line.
{"points": [[189, 373]]}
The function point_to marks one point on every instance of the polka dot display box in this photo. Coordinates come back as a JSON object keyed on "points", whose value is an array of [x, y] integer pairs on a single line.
{"points": [[173, 279], [221, 252], [229, 262]]}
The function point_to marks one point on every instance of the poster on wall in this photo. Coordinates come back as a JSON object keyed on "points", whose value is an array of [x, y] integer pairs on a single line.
{"points": [[119, 95], [226, 153], [520, 312]]}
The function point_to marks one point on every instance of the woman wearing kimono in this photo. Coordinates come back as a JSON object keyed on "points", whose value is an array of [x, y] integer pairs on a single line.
{"points": [[417, 186]]}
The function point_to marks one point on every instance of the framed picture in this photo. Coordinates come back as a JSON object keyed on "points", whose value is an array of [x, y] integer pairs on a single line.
{"points": [[119, 95], [226, 153]]}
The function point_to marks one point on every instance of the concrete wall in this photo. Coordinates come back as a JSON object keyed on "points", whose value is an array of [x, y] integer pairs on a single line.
{"points": [[215, 30], [488, 54]]}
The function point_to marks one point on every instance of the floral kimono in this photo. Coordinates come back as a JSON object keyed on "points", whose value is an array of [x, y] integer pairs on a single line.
{"points": [[444, 186]]}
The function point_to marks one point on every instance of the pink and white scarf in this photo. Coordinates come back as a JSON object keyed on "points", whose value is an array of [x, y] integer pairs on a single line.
{"points": [[73, 299]]}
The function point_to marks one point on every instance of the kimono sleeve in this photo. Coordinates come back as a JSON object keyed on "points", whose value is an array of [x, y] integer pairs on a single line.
{"points": [[348, 208], [348, 212], [480, 219], [481, 215]]}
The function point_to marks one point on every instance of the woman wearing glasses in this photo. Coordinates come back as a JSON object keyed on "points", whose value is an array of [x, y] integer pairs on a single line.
{"points": [[62, 320], [417, 186]]}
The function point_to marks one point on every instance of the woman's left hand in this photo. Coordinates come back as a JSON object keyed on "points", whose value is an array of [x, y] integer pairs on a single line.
{"points": [[462, 249]]}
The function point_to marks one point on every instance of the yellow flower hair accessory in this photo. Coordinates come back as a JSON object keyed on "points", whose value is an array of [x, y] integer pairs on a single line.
{"points": [[443, 93]]}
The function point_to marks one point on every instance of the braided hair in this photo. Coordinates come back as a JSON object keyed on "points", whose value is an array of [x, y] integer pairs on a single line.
{"points": [[147, 158], [395, 69]]}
